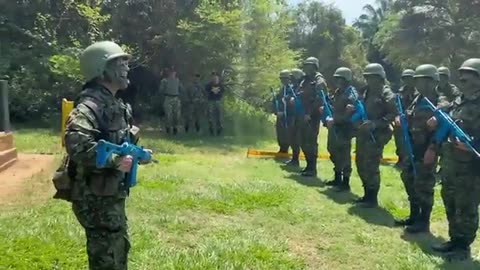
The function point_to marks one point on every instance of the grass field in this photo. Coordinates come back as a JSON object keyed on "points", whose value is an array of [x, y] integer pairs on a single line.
{"points": [[206, 206]]}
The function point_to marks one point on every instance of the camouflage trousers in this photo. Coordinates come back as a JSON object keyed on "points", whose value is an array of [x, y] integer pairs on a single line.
{"points": [[173, 111], [368, 157], [215, 114], [398, 136], [308, 132], [339, 145], [419, 188], [294, 135], [281, 128], [461, 197], [193, 113], [105, 224]]}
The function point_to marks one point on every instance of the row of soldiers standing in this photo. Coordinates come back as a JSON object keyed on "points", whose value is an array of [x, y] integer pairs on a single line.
{"points": [[373, 116], [191, 102]]}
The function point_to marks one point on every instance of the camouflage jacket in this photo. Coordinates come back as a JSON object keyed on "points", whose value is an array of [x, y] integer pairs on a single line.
{"points": [[407, 95], [466, 115], [194, 94], [340, 99], [308, 93], [283, 96], [171, 87], [450, 93], [97, 115], [418, 116], [381, 110]]}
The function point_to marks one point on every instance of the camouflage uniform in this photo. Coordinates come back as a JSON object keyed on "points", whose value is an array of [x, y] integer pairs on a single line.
{"points": [[309, 127], [172, 88], [281, 99], [406, 94], [339, 143], [193, 104], [214, 92], [420, 188], [98, 195], [461, 173], [380, 107], [295, 117]]}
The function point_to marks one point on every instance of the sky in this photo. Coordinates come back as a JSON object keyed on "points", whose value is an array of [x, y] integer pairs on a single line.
{"points": [[351, 8]]}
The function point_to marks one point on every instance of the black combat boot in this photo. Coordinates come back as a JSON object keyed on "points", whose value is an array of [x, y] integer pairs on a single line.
{"points": [[293, 162], [414, 211], [168, 130], [311, 170], [444, 247], [422, 223], [186, 128], [336, 181], [459, 252], [211, 131], [344, 185], [197, 126], [364, 198], [219, 131], [175, 131], [371, 201]]}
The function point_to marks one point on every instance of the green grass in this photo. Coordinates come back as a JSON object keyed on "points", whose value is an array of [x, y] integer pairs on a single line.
{"points": [[206, 206]]}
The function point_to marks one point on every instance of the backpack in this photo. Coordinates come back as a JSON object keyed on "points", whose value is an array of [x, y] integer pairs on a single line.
{"points": [[65, 174]]}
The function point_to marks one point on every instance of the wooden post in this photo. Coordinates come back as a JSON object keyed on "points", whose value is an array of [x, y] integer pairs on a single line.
{"points": [[4, 112]]}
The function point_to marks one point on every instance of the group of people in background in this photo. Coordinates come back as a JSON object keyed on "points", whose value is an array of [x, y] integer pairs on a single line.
{"points": [[375, 114], [187, 103]]}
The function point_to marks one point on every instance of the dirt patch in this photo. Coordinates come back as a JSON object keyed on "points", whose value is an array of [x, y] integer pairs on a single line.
{"points": [[18, 179]]}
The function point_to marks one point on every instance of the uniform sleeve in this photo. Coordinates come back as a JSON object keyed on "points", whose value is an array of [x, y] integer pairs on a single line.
{"points": [[316, 101], [390, 110], [80, 143], [343, 118]]}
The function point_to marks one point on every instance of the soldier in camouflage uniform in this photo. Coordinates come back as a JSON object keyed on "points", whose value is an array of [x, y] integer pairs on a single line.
{"points": [[460, 168], [309, 127], [214, 91], [294, 118], [193, 103], [407, 93], [420, 187], [449, 91], [340, 129], [98, 195], [172, 89], [374, 133], [281, 100]]}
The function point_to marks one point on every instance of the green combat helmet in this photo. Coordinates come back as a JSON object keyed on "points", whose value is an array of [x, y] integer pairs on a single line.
{"points": [[408, 73], [95, 57], [427, 71], [472, 64], [444, 71], [285, 74], [297, 74], [344, 72], [312, 61], [375, 69]]}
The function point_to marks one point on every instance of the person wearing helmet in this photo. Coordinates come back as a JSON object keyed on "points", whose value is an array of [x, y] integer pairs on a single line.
{"points": [[447, 89], [461, 176], [374, 133], [419, 187], [294, 117], [98, 195], [172, 89], [280, 103], [309, 127], [407, 93], [193, 104], [340, 128]]}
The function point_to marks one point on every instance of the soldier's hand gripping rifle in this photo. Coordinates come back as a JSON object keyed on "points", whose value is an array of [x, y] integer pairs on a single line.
{"points": [[447, 126], [405, 133], [360, 112], [106, 149]]}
